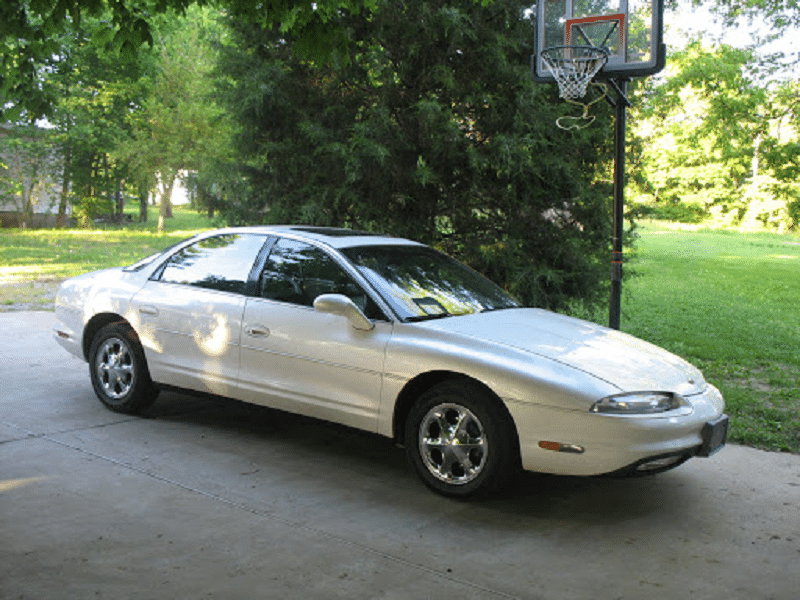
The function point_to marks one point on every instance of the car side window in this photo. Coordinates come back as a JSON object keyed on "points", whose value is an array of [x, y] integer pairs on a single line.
{"points": [[219, 263], [297, 273]]}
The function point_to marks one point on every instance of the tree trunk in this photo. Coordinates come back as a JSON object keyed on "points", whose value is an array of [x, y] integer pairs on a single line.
{"points": [[144, 192], [27, 205], [107, 186], [165, 209], [119, 202], [206, 199], [61, 220]]}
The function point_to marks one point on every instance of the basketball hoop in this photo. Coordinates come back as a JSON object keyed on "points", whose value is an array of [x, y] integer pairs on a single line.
{"points": [[573, 68]]}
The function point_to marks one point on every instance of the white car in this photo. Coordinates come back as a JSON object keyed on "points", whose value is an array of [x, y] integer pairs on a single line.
{"points": [[389, 336]]}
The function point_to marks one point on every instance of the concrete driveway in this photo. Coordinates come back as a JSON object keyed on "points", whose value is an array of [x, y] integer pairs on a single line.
{"points": [[210, 498]]}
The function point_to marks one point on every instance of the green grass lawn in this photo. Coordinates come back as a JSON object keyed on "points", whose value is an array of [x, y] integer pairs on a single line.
{"points": [[46, 254], [34, 261], [726, 301], [729, 303]]}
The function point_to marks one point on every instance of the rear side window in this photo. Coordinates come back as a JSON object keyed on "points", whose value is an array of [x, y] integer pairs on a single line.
{"points": [[220, 263]]}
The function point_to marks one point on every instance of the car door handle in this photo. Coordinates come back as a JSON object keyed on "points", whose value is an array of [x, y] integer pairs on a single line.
{"points": [[151, 311], [256, 331]]}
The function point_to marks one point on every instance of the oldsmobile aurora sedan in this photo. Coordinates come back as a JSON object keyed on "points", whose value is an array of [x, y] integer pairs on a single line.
{"points": [[393, 337]]}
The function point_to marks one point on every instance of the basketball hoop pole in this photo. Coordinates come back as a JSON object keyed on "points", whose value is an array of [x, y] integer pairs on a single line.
{"points": [[621, 105], [575, 46]]}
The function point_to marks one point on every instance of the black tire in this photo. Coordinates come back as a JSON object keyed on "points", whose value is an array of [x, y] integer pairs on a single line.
{"points": [[461, 441], [118, 369]]}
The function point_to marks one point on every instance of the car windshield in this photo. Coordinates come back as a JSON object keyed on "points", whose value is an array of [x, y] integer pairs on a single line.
{"points": [[421, 283]]}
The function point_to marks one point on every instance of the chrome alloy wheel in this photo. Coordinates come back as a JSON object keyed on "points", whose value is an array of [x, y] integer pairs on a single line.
{"points": [[452, 444], [115, 368]]}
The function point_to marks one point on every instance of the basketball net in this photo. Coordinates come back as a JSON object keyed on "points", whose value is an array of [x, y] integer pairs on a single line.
{"points": [[573, 68]]}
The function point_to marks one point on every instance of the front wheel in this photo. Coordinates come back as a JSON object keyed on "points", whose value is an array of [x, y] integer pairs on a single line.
{"points": [[461, 441], [119, 371]]}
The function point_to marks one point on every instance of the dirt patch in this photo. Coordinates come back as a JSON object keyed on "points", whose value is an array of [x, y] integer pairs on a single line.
{"points": [[39, 294], [752, 384]]}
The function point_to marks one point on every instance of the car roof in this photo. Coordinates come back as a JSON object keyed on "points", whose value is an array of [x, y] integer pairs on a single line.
{"points": [[334, 237]]}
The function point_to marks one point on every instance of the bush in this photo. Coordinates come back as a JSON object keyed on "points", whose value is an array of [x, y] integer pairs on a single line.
{"points": [[793, 209], [91, 207], [675, 211]]}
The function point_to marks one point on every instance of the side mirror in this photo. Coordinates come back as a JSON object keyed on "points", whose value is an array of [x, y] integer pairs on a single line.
{"points": [[337, 304]]}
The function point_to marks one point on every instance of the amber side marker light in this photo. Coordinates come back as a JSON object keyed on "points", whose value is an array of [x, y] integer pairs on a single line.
{"points": [[559, 447], [61, 334]]}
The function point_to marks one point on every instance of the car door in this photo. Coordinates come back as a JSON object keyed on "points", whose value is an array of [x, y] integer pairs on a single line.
{"points": [[190, 313], [305, 361]]}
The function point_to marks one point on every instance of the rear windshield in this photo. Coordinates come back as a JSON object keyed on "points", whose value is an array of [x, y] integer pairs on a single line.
{"points": [[141, 264]]}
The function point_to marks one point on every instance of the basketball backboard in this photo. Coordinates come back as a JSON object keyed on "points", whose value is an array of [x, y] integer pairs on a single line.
{"points": [[630, 31]]}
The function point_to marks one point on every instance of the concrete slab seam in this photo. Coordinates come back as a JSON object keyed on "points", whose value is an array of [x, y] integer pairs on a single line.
{"points": [[31, 435]]}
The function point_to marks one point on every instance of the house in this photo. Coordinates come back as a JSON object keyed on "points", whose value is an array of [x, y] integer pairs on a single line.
{"points": [[30, 177]]}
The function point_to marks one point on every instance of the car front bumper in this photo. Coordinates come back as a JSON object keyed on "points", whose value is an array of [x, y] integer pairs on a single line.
{"points": [[67, 331], [569, 442]]}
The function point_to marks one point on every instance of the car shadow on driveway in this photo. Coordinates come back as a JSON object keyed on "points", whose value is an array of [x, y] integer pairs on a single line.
{"points": [[347, 460]]}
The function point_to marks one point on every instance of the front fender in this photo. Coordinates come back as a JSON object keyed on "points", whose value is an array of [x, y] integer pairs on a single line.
{"points": [[83, 299], [514, 375]]}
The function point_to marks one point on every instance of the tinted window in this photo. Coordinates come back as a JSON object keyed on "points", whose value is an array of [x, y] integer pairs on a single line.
{"points": [[141, 264], [218, 263], [422, 283], [298, 273]]}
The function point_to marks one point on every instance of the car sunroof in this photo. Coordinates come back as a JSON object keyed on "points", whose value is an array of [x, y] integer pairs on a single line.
{"points": [[334, 231]]}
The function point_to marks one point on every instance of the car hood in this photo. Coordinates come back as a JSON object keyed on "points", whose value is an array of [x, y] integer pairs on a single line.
{"points": [[617, 358]]}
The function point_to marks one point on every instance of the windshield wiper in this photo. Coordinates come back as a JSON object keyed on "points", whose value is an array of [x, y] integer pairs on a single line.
{"points": [[428, 317], [494, 308]]}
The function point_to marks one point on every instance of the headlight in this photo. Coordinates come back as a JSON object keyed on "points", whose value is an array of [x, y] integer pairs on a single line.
{"points": [[639, 403]]}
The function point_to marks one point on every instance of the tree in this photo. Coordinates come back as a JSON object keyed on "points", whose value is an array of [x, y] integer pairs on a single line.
{"points": [[782, 153], [93, 93], [712, 141], [124, 127], [782, 13], [95, 96], [699, 126], [783, 20], [30, 31], [179, 127], [433, 130]]}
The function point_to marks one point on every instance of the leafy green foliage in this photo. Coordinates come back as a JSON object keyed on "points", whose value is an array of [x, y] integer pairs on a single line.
{"points": [[95, 95], [781, 13], [178, 126], [32, 35], [30, 32], [713, 138], [675, 211], [431, 129], [118, 128]]}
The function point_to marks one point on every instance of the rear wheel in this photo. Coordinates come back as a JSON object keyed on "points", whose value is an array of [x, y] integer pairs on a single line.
{"points": [[461, 441], [119, 371]]}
